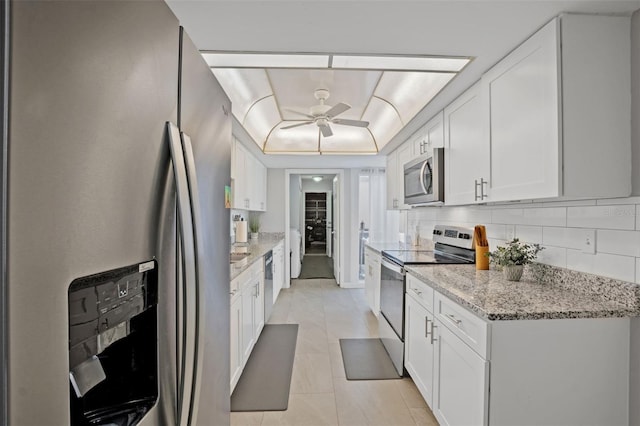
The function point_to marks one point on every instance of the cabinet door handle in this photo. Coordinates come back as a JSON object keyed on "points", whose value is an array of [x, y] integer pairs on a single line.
{"points": [[476, 196], [426, 327], [455, 320], [483, 184], [433, 326]]}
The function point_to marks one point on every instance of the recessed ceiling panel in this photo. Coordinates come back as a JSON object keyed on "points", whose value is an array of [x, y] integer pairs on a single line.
{"points": [[244, 87], [384, 121], [409, 92], [407, 63], [294, 89], [348, 140], [303, 139], [261, 118], [264, 60]]}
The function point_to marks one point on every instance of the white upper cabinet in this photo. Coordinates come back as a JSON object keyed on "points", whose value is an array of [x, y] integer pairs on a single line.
{"points": [[391, 175], [466, 150], [395, 176], [550, 120], [431, 136], [249, 177], [523, 104]]}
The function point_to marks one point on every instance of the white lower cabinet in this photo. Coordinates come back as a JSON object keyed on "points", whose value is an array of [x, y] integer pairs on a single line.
{"points": [[470, 371], [372, 279], [419, 347], [460, 385], [278, 270], [235, 342], [247, 317]]}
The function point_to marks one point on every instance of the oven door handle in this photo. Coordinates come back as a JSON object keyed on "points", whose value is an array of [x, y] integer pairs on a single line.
{"points": [[393, 267]]}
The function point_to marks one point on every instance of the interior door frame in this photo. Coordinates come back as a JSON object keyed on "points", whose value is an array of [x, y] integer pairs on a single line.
{"points": [[287, 219]]}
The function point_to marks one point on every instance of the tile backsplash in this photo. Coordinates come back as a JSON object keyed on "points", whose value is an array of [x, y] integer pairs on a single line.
{"points": [[561, 227]]}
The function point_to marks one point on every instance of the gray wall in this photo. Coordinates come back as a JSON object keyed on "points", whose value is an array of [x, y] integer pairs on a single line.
{"points": [[635, 101], [634, 374]]}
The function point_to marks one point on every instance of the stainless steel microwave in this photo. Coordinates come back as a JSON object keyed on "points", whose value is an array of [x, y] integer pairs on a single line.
{"points": [[424, 179]]}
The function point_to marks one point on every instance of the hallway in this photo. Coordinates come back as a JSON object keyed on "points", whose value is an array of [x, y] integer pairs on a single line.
{"points": [[320, 393]]}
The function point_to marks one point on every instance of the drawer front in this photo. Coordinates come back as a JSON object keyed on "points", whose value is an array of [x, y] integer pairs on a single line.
{"points": [[421, 291], [467, 326]]}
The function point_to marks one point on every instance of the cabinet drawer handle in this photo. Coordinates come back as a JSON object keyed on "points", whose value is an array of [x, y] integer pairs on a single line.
{"points": [[418, 292], [454, 319]]}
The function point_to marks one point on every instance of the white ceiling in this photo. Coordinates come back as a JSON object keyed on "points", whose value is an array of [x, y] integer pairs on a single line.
{"points": [[486, 30]]}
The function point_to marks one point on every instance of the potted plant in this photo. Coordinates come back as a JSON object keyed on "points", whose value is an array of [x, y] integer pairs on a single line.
{"points": [[513, 257], [254, 226]]}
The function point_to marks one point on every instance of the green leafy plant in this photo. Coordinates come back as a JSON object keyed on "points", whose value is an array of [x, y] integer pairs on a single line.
{"points": [[254, 224], [514, 253]]}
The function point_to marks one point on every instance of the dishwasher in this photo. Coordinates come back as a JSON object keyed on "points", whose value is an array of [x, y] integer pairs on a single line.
{"points": [[268, 285]]}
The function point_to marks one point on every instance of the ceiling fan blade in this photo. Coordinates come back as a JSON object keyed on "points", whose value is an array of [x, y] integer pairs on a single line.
{"points": [[298, 112], [326, 131], [357, 123], [304, 123], [337, 109]]}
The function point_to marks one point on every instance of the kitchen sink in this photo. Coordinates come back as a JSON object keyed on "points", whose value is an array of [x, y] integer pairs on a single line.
{"points": [[237, 257]]}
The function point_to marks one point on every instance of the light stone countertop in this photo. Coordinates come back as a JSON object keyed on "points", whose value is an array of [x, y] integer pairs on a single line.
{"points": [[257, 250], [379, 246], [547, 296]]}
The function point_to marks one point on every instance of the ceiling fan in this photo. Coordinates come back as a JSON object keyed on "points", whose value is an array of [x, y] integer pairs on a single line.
{"points": [[322, 115]]}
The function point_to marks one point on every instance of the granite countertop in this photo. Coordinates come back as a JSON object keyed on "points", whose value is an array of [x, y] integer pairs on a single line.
{"points": [[492, 297], [257, 250], [379, 246]]}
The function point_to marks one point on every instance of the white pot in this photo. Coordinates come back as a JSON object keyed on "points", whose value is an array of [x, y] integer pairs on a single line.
{"points": [[254, 235], [512, 272]]}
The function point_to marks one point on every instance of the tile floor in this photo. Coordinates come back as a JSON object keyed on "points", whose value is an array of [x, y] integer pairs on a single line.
{"points": [[320, 393]]}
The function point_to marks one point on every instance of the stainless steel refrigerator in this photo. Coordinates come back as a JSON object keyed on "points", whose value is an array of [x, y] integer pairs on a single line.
{"points": [[95, 92]]}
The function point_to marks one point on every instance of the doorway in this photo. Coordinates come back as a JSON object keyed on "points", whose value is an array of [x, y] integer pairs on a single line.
{"points": [[312, 200], [316, 217]]}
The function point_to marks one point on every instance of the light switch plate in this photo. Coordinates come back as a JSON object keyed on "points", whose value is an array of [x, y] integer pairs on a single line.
{"points": [[510, 232], [589, 241]]}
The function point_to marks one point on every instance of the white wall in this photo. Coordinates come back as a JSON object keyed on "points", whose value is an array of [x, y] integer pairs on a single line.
{"points": [[295, 201], [559, 226], [325, 185], [273, 220]]}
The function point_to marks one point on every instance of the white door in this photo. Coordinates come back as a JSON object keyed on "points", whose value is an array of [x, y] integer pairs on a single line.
{"points": [[335, 209], [329, 223]]}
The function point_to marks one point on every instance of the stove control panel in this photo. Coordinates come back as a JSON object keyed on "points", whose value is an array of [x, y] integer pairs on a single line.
{"points": [[457, 236]]}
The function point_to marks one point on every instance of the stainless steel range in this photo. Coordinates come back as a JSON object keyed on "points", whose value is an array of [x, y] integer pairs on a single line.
{"points": [[453, 245]]}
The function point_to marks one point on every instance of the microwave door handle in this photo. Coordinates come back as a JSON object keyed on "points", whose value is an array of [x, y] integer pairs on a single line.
{"points": [[422, 169]]}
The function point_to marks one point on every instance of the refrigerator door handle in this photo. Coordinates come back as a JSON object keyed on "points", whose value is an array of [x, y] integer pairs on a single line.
{"points": [[198, 289], [188, 263]]}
